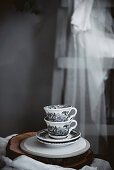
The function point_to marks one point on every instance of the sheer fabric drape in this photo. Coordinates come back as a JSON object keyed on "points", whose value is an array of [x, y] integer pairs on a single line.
{"points": [[91, 40]]}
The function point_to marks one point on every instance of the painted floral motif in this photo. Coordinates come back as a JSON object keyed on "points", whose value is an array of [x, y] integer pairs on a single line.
{"points": [[56, 117], [59, 131], [58, 106]]}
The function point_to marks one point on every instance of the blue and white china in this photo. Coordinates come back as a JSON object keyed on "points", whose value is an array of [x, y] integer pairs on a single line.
{"points": [[43, 137], [59, 130], [60, 113]]}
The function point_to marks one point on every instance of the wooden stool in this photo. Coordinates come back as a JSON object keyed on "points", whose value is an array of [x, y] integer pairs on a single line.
{"points": [[13, 150]]}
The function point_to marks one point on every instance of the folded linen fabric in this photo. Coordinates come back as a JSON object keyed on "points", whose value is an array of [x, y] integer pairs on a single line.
{"points": [[97, 163], [26, 163], [3, 144]]}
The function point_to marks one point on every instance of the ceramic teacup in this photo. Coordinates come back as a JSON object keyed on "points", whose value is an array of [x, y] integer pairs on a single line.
{"points": [[60, 113], [59, 130]]}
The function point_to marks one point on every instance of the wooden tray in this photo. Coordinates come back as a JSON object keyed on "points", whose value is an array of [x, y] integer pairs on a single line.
{"points": [[13, 150]]}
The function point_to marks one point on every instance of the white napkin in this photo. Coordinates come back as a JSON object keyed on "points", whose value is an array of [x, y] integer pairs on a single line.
{"points": [[3, 144], [26, 163]]}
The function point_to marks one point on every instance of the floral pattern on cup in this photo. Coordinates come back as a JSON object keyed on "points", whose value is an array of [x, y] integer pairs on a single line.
{"points": [[58, 106], [59, 113], [60, 131], [55, 117]]}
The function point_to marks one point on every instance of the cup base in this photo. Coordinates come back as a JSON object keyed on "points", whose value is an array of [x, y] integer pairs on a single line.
{"points": [[58, 137]]}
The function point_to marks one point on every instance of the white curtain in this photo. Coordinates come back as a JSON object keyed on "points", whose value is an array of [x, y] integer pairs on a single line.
{"points": [[89, 43]]}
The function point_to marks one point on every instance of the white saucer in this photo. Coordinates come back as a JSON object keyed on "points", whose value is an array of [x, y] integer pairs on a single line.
{"points": [[43, 137], [32, 146]]}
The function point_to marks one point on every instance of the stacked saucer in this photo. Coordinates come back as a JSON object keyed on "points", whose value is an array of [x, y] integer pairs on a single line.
{"points": [[43, 137], [60, 125]]}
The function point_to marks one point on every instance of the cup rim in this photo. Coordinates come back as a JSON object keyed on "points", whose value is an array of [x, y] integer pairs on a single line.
{"points": [[47, 107], [67, 121]]}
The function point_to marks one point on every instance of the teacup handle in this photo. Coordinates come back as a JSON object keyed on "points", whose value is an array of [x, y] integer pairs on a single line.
{"points": [[73, 115], [73, 127]]}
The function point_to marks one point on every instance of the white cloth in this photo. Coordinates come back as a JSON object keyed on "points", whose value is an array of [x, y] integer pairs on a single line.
{"points": [[26, 163], [93, 40]]}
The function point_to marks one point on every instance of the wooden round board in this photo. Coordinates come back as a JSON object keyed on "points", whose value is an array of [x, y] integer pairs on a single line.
{"points": [[13, 150]]}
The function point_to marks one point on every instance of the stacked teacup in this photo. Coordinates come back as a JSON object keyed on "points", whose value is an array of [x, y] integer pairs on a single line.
{"points": [[59, 120]]}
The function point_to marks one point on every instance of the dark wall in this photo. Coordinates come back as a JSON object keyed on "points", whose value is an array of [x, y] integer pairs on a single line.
{"points": [[26, 64]]}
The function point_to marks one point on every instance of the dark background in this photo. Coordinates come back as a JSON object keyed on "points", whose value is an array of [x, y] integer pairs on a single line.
{"points": [[27, 41]]}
